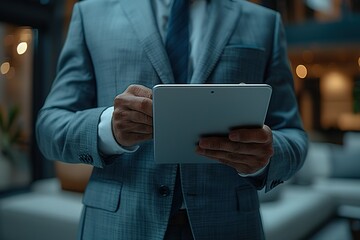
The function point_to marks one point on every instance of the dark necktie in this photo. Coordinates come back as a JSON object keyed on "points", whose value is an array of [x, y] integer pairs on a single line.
{"points": [[177, 48], [177, 40]]}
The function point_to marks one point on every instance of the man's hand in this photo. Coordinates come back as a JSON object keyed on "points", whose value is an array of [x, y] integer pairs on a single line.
{"points": [[246, 150], [132, 117]]}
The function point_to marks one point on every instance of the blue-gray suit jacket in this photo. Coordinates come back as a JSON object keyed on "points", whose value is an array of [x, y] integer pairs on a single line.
{"points": [[114, 43]]}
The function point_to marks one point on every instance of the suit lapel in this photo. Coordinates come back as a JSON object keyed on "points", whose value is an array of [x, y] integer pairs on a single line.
{"points": [[223, 18], [140, 15]]}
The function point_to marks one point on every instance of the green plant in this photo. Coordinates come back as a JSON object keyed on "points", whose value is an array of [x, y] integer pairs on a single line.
{"points": [[9, 132]]}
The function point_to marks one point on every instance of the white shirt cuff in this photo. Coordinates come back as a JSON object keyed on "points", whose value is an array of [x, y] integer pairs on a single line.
{"points": [[106, 140], [255, 174]]}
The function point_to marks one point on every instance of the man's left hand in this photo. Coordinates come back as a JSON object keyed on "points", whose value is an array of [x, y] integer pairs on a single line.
{"points": [[246, 150]]}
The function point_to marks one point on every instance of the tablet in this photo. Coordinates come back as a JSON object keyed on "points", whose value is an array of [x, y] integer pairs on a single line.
{"points": [[182, 113]]}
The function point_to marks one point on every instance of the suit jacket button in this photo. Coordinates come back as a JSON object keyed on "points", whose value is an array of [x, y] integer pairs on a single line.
{"points": [[164, 191]]}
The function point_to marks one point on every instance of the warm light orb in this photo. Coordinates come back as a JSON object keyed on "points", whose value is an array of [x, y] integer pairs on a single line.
{"points": [[21, 48], [301, 71], [5, 68], [359, 61], [336, 83]]}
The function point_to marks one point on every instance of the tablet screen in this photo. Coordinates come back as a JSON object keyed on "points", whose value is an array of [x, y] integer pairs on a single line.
{"points": [[182, 113]]}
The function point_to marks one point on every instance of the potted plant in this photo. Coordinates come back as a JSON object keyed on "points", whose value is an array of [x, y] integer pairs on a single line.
{"points": [[9, 137]]}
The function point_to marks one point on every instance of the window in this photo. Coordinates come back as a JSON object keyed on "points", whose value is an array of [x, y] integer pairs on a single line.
{"points": [[31, 36], [16, 64]]}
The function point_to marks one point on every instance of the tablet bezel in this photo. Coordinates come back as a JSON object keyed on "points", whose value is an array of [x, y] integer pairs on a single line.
{"points": [[182, 113]]}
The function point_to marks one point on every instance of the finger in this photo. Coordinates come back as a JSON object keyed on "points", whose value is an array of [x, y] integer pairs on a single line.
{"points": [[134, 138], [247, 163], [245, 168], [234, 150], [140, 128], [255, 135], [139, 91], [131, 102], [224, 144], [214, 143], [131, 127], [250, 165], [240, 168], [135, 117], [226, 156]]}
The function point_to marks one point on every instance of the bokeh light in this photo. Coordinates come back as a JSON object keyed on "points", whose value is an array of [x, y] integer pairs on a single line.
{"points": [[21, 48], [5, 68], [301, 71]]}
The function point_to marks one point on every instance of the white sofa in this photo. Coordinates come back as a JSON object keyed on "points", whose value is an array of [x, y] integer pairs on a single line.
{"points": [[47, 212], [296, 214], [329, 179]]}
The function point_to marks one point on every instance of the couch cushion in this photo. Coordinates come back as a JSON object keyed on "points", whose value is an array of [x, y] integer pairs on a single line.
{"points": [[352, 139], [317, 164], [343, 191], [45, 213], [345, 162], [297, 213]]}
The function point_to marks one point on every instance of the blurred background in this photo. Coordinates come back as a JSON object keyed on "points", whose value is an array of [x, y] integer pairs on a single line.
{"points": [[324, 50]]}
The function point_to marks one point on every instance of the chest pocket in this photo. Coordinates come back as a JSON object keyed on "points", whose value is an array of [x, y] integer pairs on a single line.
{"points": [[240, 64]]}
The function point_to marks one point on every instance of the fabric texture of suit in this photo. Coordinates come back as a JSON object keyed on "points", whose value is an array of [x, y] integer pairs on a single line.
{"points": [[112, 44]]}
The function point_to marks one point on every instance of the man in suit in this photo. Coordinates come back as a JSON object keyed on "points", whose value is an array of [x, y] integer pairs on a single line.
{"points": [[99, 111]]}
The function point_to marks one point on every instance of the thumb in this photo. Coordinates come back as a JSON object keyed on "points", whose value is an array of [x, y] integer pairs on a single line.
{"points": [[139, 91]]}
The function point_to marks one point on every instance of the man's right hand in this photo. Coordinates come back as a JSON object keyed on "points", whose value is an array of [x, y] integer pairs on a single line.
{"points": [[132, 117]]}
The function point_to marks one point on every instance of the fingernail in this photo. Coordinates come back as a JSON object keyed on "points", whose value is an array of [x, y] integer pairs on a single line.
{"points": [[234, 137]]}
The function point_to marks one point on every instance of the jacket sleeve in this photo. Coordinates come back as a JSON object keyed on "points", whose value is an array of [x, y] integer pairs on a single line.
{"points": [[67, 124], [289, 139]]}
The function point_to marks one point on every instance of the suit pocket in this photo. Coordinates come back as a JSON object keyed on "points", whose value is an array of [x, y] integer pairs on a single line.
{"points": [[240, 64], [247, 199], [103, 194]]}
